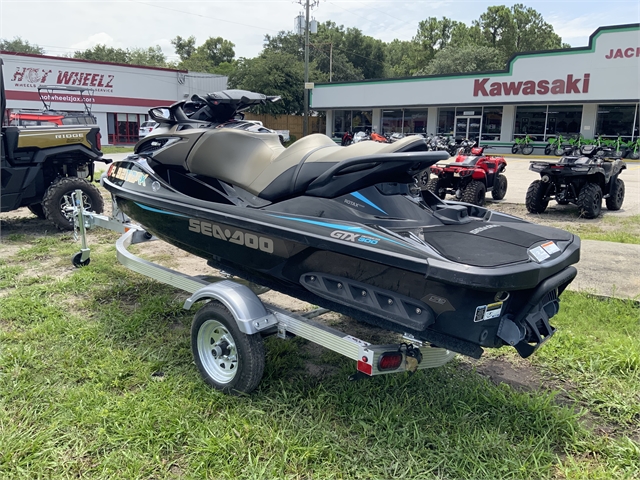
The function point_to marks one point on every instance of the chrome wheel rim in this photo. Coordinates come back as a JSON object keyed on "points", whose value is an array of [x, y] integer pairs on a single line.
{"points": [[217, 351], [66, 204]]}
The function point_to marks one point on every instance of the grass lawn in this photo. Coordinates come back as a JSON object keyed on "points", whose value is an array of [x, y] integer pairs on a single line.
{"points": [[97, 381], [107, 149], [608, 228]]}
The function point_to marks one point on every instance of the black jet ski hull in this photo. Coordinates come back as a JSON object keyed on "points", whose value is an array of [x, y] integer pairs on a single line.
{"points": [[371, 274]]}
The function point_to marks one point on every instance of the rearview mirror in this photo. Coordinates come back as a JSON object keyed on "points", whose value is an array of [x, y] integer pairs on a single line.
{"points": [[160, 115]]}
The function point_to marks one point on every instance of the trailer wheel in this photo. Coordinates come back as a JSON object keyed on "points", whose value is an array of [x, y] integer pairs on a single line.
{"points": [[78, 262], [57, 199], [227, 359]]}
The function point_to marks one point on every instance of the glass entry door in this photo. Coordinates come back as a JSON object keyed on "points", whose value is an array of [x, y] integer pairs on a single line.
{"points": [[468, 127]]}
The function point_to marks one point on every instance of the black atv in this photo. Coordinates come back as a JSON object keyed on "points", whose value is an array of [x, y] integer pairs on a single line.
{"points": [[583, 179], [42, 166]]}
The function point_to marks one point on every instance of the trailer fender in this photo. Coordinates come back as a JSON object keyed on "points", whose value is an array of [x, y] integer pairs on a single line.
{"points": [[245, 306]]}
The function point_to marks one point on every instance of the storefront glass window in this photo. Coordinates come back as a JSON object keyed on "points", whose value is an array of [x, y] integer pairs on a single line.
{"points": [[123, 128], [392, 121], [614, 120], [404, 121], [361, 121], [341, 122], [446, 118], [415, 121], [530, 120], [491, 123], [564, 120]]}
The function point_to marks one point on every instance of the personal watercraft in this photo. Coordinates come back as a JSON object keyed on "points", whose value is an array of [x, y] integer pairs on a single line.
{"points": [[345, 228]]}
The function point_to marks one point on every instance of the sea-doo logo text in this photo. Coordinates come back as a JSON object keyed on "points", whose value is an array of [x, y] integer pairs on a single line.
{"points": [[353, 237], [238, 237], [475, 231]]}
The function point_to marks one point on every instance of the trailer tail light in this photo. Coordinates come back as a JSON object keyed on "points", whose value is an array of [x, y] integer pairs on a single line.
{"points": [[99, 141], [390, 361]]}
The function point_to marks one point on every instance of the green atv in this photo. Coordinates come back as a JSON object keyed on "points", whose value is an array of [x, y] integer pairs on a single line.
{"points": [[42, 166]]}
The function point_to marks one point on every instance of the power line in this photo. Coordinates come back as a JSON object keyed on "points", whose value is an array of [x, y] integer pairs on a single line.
{"points": [[155, 5]]}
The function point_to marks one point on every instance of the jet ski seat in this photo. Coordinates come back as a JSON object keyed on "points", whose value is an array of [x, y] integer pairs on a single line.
{"points": [[259, 164]]}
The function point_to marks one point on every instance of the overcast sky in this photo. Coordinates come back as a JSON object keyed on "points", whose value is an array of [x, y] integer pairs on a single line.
{"points": [[61, 27]]}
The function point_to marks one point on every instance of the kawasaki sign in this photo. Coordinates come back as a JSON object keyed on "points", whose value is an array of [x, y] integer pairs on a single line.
{"points": [[560, 86]]}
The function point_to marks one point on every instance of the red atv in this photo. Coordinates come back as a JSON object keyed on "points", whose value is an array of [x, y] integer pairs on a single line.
{"points": [[470, 177]]}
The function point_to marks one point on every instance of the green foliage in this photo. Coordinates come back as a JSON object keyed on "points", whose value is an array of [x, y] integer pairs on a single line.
{"points": [[468, 58], [272, 73], [150, 57], [215, 55], [517, 29], [20, 46]]}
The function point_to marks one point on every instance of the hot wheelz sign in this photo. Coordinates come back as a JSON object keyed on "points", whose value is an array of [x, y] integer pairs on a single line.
{"points": [[28, 77]]}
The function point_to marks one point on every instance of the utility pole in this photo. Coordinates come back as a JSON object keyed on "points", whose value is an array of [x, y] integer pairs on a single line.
{"points": [[305, 124], [309, 4]]}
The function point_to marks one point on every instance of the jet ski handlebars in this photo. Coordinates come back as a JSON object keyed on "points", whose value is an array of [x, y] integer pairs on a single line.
{"points": [[212, 108]]}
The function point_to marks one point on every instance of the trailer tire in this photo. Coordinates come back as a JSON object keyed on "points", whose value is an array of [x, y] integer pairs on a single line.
{"points": [[59, 193], [227, 359]]}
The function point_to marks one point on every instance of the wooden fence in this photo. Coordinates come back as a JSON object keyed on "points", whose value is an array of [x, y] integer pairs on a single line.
{"points": [[293, 123]]}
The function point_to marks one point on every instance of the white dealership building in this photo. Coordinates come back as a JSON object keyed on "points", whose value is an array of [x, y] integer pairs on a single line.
{"points": [[592, 90], [121, 94]]}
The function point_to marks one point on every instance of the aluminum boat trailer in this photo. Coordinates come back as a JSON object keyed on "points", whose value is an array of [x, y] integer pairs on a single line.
{"points": [[227, 332]]}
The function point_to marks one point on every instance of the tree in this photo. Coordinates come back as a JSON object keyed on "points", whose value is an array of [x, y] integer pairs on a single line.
{"points": [[20, 46], [432, 35], [365, 53], [215, 55], [401, 58], [273, 73], [532, 33], [184, 47], [102, 53], [468, 58], [150, 57], [518, 29]]}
